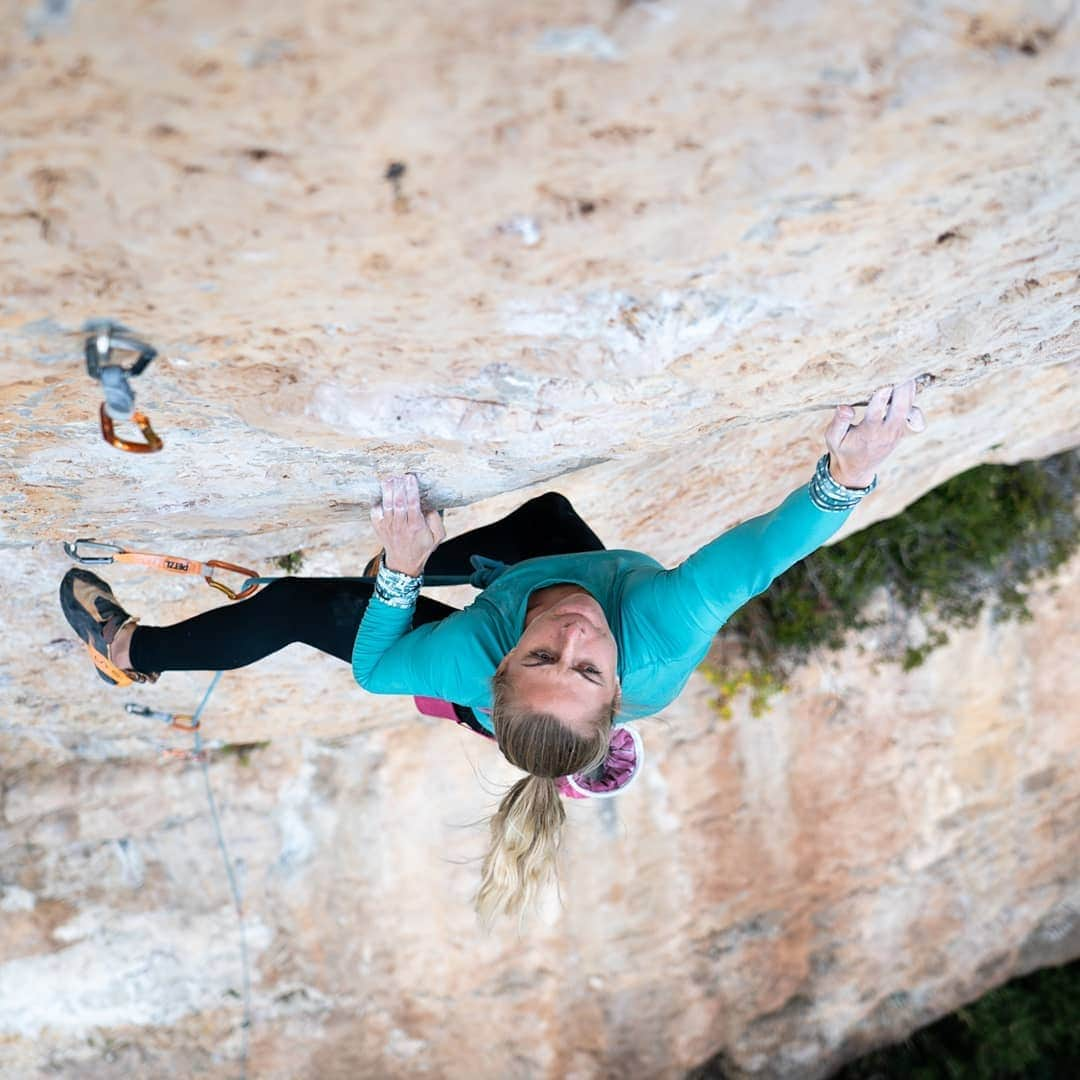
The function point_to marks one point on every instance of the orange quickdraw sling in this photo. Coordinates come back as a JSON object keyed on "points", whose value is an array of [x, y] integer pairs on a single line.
{"points": [[172, 564]]}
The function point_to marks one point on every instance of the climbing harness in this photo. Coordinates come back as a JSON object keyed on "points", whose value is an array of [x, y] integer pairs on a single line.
{"points": [[105, 338], [172, 564], [447, 710]]}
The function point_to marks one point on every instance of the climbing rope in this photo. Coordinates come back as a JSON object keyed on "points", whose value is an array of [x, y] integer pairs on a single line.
{"points": [[192, 723], [234, 887]]}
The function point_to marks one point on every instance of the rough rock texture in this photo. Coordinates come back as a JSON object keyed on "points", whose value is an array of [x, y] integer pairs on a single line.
{"points": [[638, 252]]}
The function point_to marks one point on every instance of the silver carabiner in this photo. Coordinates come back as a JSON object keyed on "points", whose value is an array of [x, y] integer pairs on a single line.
{"points": [[92, 560], [150, 714]]}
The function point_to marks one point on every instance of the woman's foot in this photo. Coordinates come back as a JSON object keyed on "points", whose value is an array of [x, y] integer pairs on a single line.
{"points": [[120, 646], [93, 613]]}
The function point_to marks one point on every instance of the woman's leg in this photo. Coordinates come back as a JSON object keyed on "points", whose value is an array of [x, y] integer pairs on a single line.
{"points": [[325, 613], [546, 525], [322, 612]]}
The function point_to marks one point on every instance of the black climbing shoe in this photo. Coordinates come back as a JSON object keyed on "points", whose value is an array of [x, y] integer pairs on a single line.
{"points": [[91, 609]]}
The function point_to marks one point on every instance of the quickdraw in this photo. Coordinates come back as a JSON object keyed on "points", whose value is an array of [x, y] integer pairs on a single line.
{"points": [[178, 721], [172, 564], [200, 748], [119, 404]]}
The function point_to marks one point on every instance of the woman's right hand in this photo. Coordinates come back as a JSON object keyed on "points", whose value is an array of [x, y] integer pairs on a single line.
{"points": [[407, 533], [856, 450]]}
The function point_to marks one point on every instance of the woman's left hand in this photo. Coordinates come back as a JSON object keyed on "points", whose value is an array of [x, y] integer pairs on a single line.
{"points": [[407, 533], [856, 450]]}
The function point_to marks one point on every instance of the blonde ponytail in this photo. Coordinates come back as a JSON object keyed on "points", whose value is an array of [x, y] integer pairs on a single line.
{"points": [[527, 828], [521, 860]]}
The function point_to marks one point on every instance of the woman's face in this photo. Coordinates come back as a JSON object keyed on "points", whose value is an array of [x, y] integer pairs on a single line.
{"points": [[565, 660]]}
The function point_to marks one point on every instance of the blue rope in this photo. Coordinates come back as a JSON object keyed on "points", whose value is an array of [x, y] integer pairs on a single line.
{"points": [[233, 885], [202, 705], [433, 579], [485, 572]]}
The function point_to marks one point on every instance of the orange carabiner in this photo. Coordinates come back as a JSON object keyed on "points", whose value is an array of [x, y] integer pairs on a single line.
{"points": [[108, 433], [243, 594], [182, 722]]}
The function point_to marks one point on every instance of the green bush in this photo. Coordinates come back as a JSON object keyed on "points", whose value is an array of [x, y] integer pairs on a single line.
{"points": [[291, 562], [243, 751], [1028, 1029]]}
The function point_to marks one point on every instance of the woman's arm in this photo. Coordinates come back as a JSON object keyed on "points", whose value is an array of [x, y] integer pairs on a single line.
{"points": [[390, 657], [383, 626], [439, 659], [690, 603], [409, 536], [705, 590]]}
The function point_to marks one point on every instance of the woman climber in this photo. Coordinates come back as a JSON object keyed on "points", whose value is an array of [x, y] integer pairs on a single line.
{"points": [[566, 641]]}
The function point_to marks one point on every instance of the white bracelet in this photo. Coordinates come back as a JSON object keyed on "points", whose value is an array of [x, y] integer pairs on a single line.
{"points": [[827, 494], [395, 588]]}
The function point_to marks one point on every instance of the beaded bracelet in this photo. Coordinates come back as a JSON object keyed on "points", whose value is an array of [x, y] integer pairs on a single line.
{"points": [[827, 494], [396, 589]]}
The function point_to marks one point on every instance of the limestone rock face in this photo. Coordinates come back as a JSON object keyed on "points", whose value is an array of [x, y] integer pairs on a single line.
{"points": [[638, 252]]}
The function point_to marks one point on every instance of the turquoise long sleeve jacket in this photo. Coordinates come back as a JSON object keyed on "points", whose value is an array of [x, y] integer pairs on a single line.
{"points": [[663, 621]]}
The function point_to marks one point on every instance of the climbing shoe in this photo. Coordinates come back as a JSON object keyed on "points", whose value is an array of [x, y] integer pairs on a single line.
{"points": [[91, 609]]}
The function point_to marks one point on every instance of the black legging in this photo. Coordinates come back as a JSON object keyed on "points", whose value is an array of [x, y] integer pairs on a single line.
{"points": [[326, 612]]}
